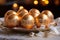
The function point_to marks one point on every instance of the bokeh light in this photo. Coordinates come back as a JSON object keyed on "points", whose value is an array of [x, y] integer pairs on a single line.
{"points": [[15, 5], [21, 7], [44, 2], [35, 2]]}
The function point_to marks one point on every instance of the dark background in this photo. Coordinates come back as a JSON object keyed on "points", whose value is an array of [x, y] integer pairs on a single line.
{"points": [[51, 6]]}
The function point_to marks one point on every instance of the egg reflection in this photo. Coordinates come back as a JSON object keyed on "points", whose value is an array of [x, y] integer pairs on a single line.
{"points": [[49, 14], [27, 22]]}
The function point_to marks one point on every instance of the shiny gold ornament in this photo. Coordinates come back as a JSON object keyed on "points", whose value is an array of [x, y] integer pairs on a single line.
{"points": [[9, 12], [35, 2], [27, 22], [49, 14], [43, 19], [11, 20], [22, 12], [35, 13]]}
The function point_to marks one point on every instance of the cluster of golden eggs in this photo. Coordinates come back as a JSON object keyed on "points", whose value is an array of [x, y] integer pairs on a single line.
{"points": [[27, 20]]}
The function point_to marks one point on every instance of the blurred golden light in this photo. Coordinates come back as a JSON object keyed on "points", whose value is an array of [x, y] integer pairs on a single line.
{"points": [[21, 7], [46, 2], [43, 0], [35, 2], [15, 5], [16, 17]]}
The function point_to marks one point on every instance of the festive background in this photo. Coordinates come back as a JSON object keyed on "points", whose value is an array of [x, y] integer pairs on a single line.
{"points": [[52, 5]]}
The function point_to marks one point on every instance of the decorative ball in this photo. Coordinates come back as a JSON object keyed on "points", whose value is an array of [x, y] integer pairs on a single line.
{"points": [[49, 14], [43, 19], [27, 22], [11, 20], [9, 12], [34, 12], [22, 12]]}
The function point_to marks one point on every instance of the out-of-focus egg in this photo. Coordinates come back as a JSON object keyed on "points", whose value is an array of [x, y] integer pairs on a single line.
{"points": [[49, 14], [9, 12], [43, 19], [27, 22], [11, 20], [22, 12], [35, 13]]}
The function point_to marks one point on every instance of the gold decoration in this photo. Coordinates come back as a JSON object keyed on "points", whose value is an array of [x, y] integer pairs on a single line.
{"points": [[49, 14], [35, 13], [27, 22], [11, 19], [35, 2], [22, 12], [9, 12], [43, 19]]}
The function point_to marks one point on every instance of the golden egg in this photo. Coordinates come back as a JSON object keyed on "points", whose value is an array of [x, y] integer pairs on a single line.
{"points": [[49, 14], [34, 12], [22, 12], [43, 19], [9, 12], [27, 22], [11, 20]]}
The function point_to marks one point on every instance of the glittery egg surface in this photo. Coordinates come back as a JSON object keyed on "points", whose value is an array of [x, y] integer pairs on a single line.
{"points": [[9, 12], [22, 12], [11, 19], [49, 14], [27, 22], [43, 19], [34, 12]]}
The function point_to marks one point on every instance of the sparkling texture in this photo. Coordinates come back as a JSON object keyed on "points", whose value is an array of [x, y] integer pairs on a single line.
{"points": [[27, 22], [11, 19], [49, 14], [43, 19], [22, 12], [35, 13]]}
